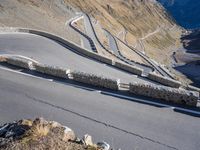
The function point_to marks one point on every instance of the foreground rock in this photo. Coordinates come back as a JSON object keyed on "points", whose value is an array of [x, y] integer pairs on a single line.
{"points": [[42, 134]]}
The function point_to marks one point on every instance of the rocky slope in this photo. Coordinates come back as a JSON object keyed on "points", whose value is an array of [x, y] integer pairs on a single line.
{"points": [[42, 134], [38, 14]]}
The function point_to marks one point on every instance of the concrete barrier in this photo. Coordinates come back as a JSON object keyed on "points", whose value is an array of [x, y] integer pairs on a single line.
{"points": [[169, 94], [129, 68], [193, 88], [94, 80], [164, 80], [51, 70], [20, 62], [71, 45]]}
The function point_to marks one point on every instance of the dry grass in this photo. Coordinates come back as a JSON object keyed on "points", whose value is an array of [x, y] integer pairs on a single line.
{"points": [[41, 134], [39, 130]]}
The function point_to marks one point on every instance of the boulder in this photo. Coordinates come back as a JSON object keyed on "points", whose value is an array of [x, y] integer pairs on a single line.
{"points": [[103, 145], [87, 140], [69, 134]]}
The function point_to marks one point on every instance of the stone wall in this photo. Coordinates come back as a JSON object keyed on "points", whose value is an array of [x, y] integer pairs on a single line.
{"points": [[174, 95], [129, 68], [94, 80], [164, 80], [20, 62], [51, 70]]}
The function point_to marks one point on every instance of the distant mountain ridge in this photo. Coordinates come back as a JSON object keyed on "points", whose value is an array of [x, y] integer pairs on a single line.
{"points": [[185, 12]]}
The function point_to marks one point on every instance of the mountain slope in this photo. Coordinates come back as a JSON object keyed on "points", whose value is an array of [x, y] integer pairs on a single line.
{"points": [[146, 23]]}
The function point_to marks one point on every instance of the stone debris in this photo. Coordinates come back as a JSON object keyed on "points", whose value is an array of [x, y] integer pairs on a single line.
{"points": [[87, 140]]}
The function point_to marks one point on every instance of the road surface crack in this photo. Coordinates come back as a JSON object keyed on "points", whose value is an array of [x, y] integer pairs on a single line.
{"points": [[100, 122]]}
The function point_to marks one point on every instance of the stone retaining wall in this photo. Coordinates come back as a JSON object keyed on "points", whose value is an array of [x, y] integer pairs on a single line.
{"points": [[164, 80], [129, 68], [20, 62], [174, 95], [95, 80], [51, 70]]}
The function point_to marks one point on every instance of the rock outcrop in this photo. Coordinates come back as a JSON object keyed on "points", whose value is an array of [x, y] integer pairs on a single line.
{"points": [[42, 134]]}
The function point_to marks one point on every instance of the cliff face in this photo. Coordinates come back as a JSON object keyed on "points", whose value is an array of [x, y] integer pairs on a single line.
{"points": [[144, 24]]}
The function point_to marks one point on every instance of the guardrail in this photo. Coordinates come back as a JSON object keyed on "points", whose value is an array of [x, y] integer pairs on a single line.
{"points": [[164, 80], [128, 68]]}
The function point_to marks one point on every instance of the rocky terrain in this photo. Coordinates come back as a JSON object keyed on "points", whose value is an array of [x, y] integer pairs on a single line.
{"points": [[42, 134]]}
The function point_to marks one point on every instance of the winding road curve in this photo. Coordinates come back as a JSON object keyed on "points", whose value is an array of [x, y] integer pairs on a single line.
{"points": [[87, 41], [125, 122], [91, 36], [114, 46]]}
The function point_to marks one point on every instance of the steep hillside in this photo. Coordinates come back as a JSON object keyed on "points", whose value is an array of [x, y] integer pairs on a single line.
{"points": [[144, 24], [38, 14]]}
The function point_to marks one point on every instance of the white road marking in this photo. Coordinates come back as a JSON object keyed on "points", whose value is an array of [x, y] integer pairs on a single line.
{"points": [[25, 74]]}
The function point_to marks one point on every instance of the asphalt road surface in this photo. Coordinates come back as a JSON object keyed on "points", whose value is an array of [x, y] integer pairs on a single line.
{"points": [[49, 52], [113, 46], [123, 124]]}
